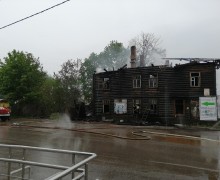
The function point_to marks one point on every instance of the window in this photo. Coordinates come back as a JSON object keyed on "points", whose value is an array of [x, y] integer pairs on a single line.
{"points": [[153, 81], [153, 105], [136, 106], [99, 84], [195, 79], [179, 106], [106, 106], [105, 83], [194, 107], [137, 81]]}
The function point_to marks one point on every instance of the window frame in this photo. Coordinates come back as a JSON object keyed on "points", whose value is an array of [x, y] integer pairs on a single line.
{"points": [[193, 80], [106, 83], [136, 79], [153, 81]]}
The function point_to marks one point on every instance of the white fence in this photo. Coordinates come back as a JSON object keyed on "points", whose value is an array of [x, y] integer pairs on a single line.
{"points": [[21, 162]]}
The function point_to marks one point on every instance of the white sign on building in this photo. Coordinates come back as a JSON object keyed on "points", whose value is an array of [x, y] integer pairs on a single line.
{"points": [[208, 108], [120, 106]]}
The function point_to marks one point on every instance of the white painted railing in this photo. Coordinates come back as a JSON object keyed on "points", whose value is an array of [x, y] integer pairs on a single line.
{"points": [[77, 169]]}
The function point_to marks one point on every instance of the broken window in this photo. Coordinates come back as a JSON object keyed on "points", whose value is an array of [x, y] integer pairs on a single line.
{"points": [[194, 106], [179, 106], [153, 81], [137, 81], [105, 83], [136, 106], [106, 106], [195, 79], [153, 105], [120, 106], [99, 84]]}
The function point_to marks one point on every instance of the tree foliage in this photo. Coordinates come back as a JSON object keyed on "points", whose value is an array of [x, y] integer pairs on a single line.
{"points": [[115, 55], [48, 97], [68, 87], [148, 45], [21, 77], [87, 70]]}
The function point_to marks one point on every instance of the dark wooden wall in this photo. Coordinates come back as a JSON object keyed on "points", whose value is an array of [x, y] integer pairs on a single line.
{"points": [[173, 83]]}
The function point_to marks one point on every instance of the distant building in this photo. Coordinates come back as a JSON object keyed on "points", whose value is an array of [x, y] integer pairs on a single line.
{"points": [[169, 95]]}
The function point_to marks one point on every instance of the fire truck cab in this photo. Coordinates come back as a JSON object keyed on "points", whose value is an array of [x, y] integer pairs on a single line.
{"points": [[5, 110]]}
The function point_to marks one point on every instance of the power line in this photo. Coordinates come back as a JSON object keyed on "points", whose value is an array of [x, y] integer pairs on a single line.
{"points": [[34, 14]]}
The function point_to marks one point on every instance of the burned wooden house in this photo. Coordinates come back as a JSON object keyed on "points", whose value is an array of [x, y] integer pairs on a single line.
{"points": [[165, 94]]}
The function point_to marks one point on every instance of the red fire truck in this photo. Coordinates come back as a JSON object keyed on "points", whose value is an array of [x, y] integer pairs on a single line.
{"points": [[5, 110]]}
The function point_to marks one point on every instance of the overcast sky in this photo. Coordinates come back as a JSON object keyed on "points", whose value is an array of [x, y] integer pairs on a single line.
{"points": [[187, 28]]}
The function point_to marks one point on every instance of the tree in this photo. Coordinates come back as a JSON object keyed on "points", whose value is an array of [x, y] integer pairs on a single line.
{"points": [[115, 55], [148, 45], [21, 77], [48, 97], [68, 85], [87, 70]]}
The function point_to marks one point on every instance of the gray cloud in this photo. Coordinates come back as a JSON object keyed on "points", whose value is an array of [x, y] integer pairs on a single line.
{"points": [[74, 30]]}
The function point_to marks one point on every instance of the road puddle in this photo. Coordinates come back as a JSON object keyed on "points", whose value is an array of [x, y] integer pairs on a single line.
{"points": [[179, 140]]}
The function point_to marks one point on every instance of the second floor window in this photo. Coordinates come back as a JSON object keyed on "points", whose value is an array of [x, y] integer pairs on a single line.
{"points": [[153, 81], [195, 79], [137, 81], [105, 83]]}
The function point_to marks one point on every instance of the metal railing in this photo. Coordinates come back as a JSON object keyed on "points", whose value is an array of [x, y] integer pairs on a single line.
{"points": [[18, 161]]}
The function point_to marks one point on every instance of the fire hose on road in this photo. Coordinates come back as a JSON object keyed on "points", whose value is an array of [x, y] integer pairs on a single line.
{"points": [[142, 134], [143, 137]]}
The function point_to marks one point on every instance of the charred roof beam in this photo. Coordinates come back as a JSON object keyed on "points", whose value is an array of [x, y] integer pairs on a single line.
{"points": [[216, 61]]}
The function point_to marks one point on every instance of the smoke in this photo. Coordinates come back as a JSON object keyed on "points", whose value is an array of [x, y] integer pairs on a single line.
{"points": [[148, 45], [156, 59], [64, 121], [99, 70]]}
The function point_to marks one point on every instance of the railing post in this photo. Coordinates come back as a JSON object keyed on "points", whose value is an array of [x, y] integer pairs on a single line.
{"points": [[73, 163], [23, 166], [29, 172], [86, 171], [9, 164]]}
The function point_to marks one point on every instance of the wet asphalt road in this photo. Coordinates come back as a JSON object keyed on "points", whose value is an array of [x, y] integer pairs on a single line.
{"points": [[122, 155]]}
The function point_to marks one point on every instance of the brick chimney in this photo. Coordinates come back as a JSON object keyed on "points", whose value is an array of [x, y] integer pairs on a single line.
{"points": [[133, 56]]}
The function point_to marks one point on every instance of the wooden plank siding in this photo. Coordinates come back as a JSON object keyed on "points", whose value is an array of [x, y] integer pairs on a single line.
{"points": [[173, 84]]}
